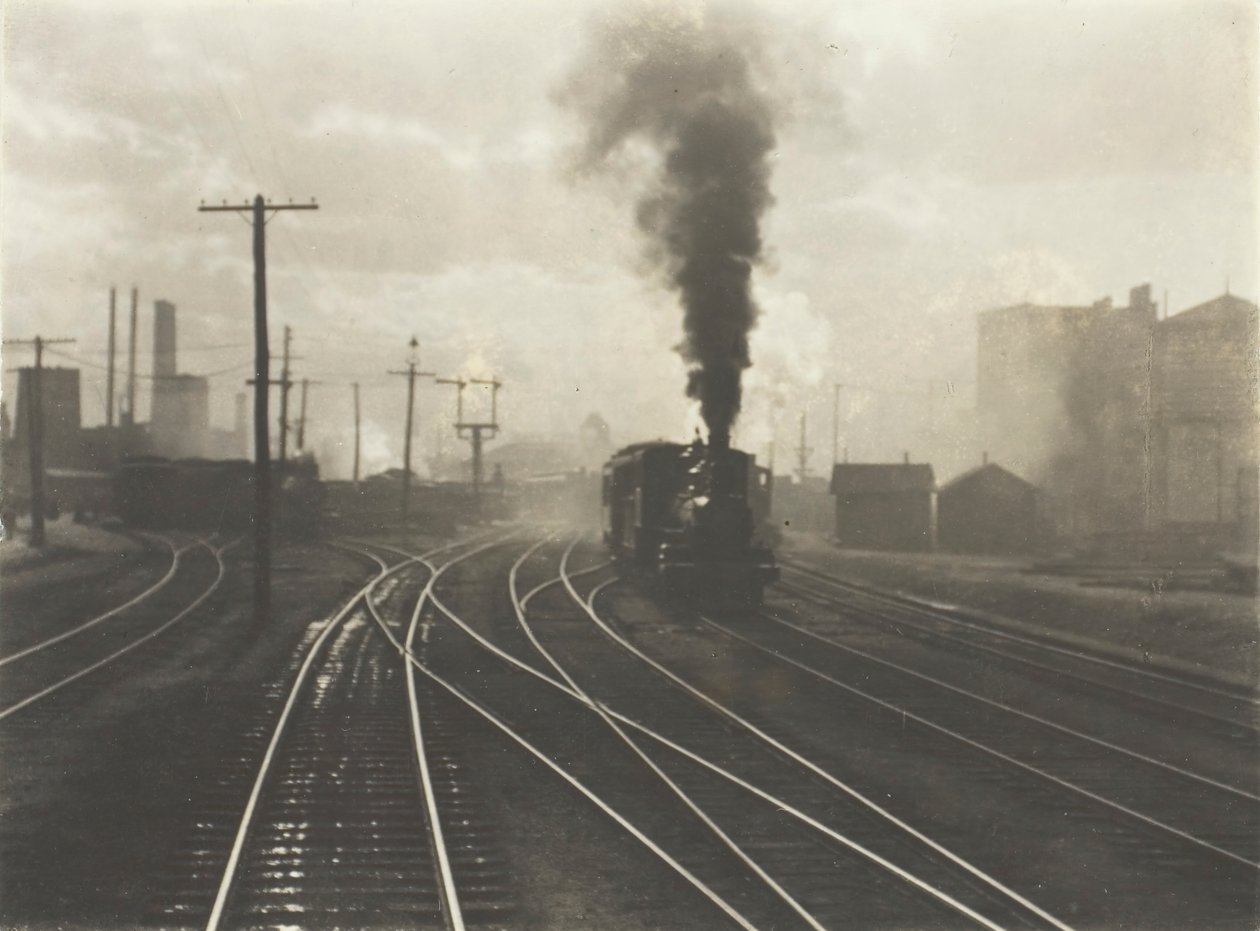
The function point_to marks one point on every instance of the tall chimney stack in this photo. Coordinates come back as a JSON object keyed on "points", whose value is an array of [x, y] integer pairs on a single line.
{"points": [[905, 458], [163, 340]]}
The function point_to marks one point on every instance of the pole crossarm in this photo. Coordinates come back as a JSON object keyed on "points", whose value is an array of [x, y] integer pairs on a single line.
{"points": [[225, 207], [37, 341]]}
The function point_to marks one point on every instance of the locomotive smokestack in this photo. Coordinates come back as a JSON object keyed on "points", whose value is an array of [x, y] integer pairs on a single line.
{"points": [[686, 88]]}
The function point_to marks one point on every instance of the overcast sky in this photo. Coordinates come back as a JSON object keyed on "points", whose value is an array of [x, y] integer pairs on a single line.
{"points": [[933, 160]]}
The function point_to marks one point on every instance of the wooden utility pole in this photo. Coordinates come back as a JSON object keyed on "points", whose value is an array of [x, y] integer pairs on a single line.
{"points": [[411, 374], [262, 453], [835, 423], [109, 380], [356, 434], [285, 385], [301, 427], [129, 421], [35, 431], [802, 454]]}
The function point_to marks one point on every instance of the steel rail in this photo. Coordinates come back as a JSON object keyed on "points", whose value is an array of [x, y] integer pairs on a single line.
{"points": [[625, 738], [784, 806], [907, 715], [1061, 728], [448, 891], [870, 804], [949, 616], [74, 677], [278, 732], [176, 557], [428, 595], [871, 617]]}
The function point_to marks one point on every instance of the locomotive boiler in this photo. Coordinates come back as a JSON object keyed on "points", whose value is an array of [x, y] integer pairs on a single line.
{"points": [[686, 514]]}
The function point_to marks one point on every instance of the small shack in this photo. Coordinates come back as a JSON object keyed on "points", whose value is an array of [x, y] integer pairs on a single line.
{"points": [[884, 506], [988, 510]]}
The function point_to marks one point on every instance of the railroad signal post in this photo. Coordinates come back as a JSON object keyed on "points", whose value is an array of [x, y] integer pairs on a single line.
{"points": [[35, 432], [257, 211], [476, 432], [411, 374]]}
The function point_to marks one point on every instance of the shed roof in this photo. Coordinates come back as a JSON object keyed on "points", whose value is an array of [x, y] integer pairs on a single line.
{"points": [[869, 478], [990, 473]]}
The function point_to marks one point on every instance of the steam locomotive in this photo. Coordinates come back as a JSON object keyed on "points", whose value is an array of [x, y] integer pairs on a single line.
{"points": [[688, 515]]}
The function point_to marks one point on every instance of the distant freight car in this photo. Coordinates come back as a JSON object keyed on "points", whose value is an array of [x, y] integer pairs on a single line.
{"points": [[144, 489], [205, 494], [686, 515]]}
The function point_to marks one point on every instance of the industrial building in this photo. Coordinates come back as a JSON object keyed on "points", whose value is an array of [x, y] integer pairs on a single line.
{"points": [[988, 510], [1204, 404], [1132, 425], [884, 506], [59, 391]]}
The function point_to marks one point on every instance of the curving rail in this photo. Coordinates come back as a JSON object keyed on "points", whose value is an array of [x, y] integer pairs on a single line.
{"points": [[176, 557], [221, 571], [708, 765]]}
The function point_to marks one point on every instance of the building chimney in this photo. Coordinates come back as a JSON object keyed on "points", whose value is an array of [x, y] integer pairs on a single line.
{"points": [[1140, 299], [905, 458], [984, 457], [163, 339]]}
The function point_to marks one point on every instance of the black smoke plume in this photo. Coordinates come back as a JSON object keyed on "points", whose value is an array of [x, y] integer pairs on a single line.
{"points": [[686, 88]]}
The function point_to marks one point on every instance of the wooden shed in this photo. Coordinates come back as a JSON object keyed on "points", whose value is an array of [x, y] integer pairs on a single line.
{"points": [[884, 506], [988, 510]]}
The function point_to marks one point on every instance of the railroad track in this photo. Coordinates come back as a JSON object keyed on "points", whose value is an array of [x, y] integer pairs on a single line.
{"points": [[1195, 829], [1189, 815], [1232, 709], [691, 785], [59, 664], [340, 799]]}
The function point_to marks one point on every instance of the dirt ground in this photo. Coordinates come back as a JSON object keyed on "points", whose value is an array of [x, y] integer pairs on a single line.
{"points": [[1209, 633]]}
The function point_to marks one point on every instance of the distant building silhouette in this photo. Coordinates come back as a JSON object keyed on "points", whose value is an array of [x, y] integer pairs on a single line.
{"points": [[59, 390], [179, 423], [1128, 422]]}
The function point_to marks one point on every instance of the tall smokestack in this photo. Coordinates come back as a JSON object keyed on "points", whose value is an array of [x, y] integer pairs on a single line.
{"points": [[686, 88], [164, 363]]}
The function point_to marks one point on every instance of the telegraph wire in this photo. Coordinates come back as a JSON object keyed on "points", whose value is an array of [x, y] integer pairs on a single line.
{"points": [[94, 365]]}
